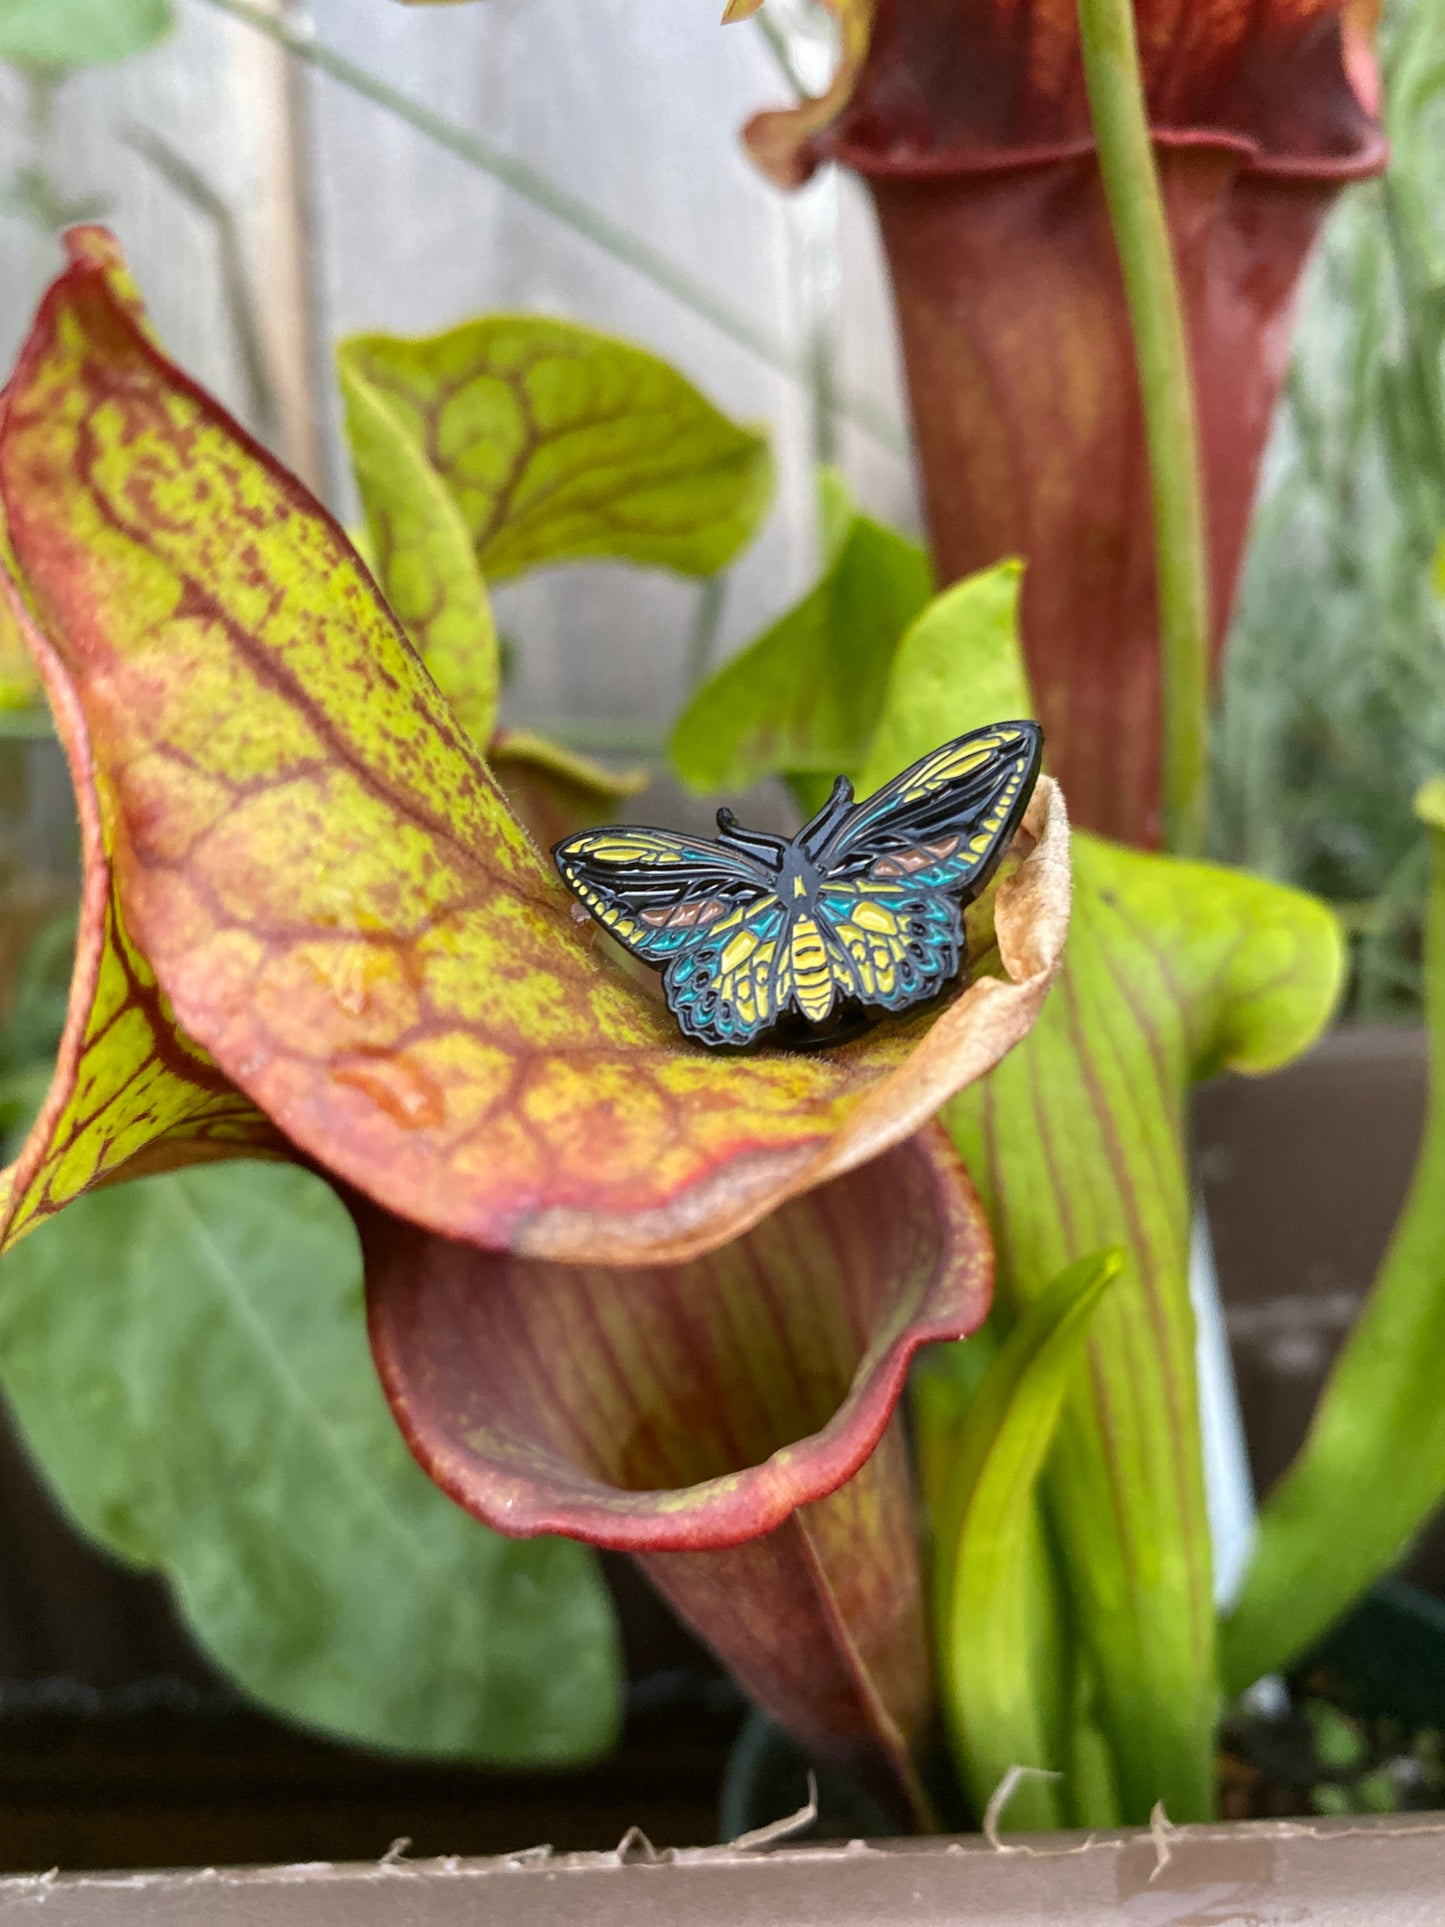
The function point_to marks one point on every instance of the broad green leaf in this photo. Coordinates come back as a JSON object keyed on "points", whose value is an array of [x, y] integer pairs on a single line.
{"points": [[554, 790], [80, 33], [1440, 567], [420, 550], [964, 640], [1173, 970], [1372, 1470], [1001, 1657], [556, 443], [188, 1359], [335, 923], [515, 441], [803, 700]]}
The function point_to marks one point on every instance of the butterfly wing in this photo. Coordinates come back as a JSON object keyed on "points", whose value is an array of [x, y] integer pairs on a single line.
{"points": [[945, 823], [660, 895], [734, 984], [889, 944]]}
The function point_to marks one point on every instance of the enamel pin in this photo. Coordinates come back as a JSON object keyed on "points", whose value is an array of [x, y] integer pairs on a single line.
{"points": [[862, 911]]}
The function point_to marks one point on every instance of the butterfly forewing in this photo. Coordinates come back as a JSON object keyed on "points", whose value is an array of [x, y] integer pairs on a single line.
{"points": [[659, 894], [944, 823]]}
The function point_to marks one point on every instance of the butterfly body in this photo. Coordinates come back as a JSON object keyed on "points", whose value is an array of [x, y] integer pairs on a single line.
{"points": [[860, 911]]}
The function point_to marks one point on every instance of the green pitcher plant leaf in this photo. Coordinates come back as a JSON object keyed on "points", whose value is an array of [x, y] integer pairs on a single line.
{"points": [[1003, 1671], [715, 1417], [419, 548], [803, 700], [552, 443], [80, 33], [1375, 1454], [187, 1358], [554, 790], [343, 928], [1077, 1143]]}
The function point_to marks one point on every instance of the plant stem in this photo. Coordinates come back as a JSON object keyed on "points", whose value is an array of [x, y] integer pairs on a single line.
{"points": [[778, 43], [701, 642], [610, 236], [1136, 208]]}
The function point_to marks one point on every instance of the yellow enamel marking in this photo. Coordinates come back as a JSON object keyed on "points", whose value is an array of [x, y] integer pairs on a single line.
{"points": [[738, 951], [873, 916], [800, 889], [619, 850], [812, 979]]}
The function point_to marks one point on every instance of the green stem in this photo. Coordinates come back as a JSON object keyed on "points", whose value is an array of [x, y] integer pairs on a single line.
{"points": [[610, 236], [1136, 208], [778, 43], [702, 641]]}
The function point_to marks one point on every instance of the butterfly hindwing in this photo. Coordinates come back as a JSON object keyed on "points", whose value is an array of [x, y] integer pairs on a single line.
{"points": [[944, 823], [736, 982], [891, 945], [658, 894]]}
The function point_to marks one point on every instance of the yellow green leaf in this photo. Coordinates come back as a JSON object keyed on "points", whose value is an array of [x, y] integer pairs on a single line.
{"points": [[420, 549], [1372, 1470], [80, 33], [1077, 1143], [1002, 1674], [514, 441], [803, 700], [557, 443], [327, 885], [964, 636], [554, 790]]}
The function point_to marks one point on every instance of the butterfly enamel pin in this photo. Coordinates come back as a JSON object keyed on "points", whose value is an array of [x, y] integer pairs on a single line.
{"points": [[796, 941]]}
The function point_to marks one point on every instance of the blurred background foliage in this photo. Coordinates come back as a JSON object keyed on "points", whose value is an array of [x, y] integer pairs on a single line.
{"points": [[1333, 706]]}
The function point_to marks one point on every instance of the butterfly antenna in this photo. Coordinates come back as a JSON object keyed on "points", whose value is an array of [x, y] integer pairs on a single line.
{"points": [[816, 832]]}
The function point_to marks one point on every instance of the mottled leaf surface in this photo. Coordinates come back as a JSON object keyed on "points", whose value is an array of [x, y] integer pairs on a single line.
{"points": [[803, 700], [331, 891], [1372, 1471], [187, 1358], [1173, 971], [130, 1092]]}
